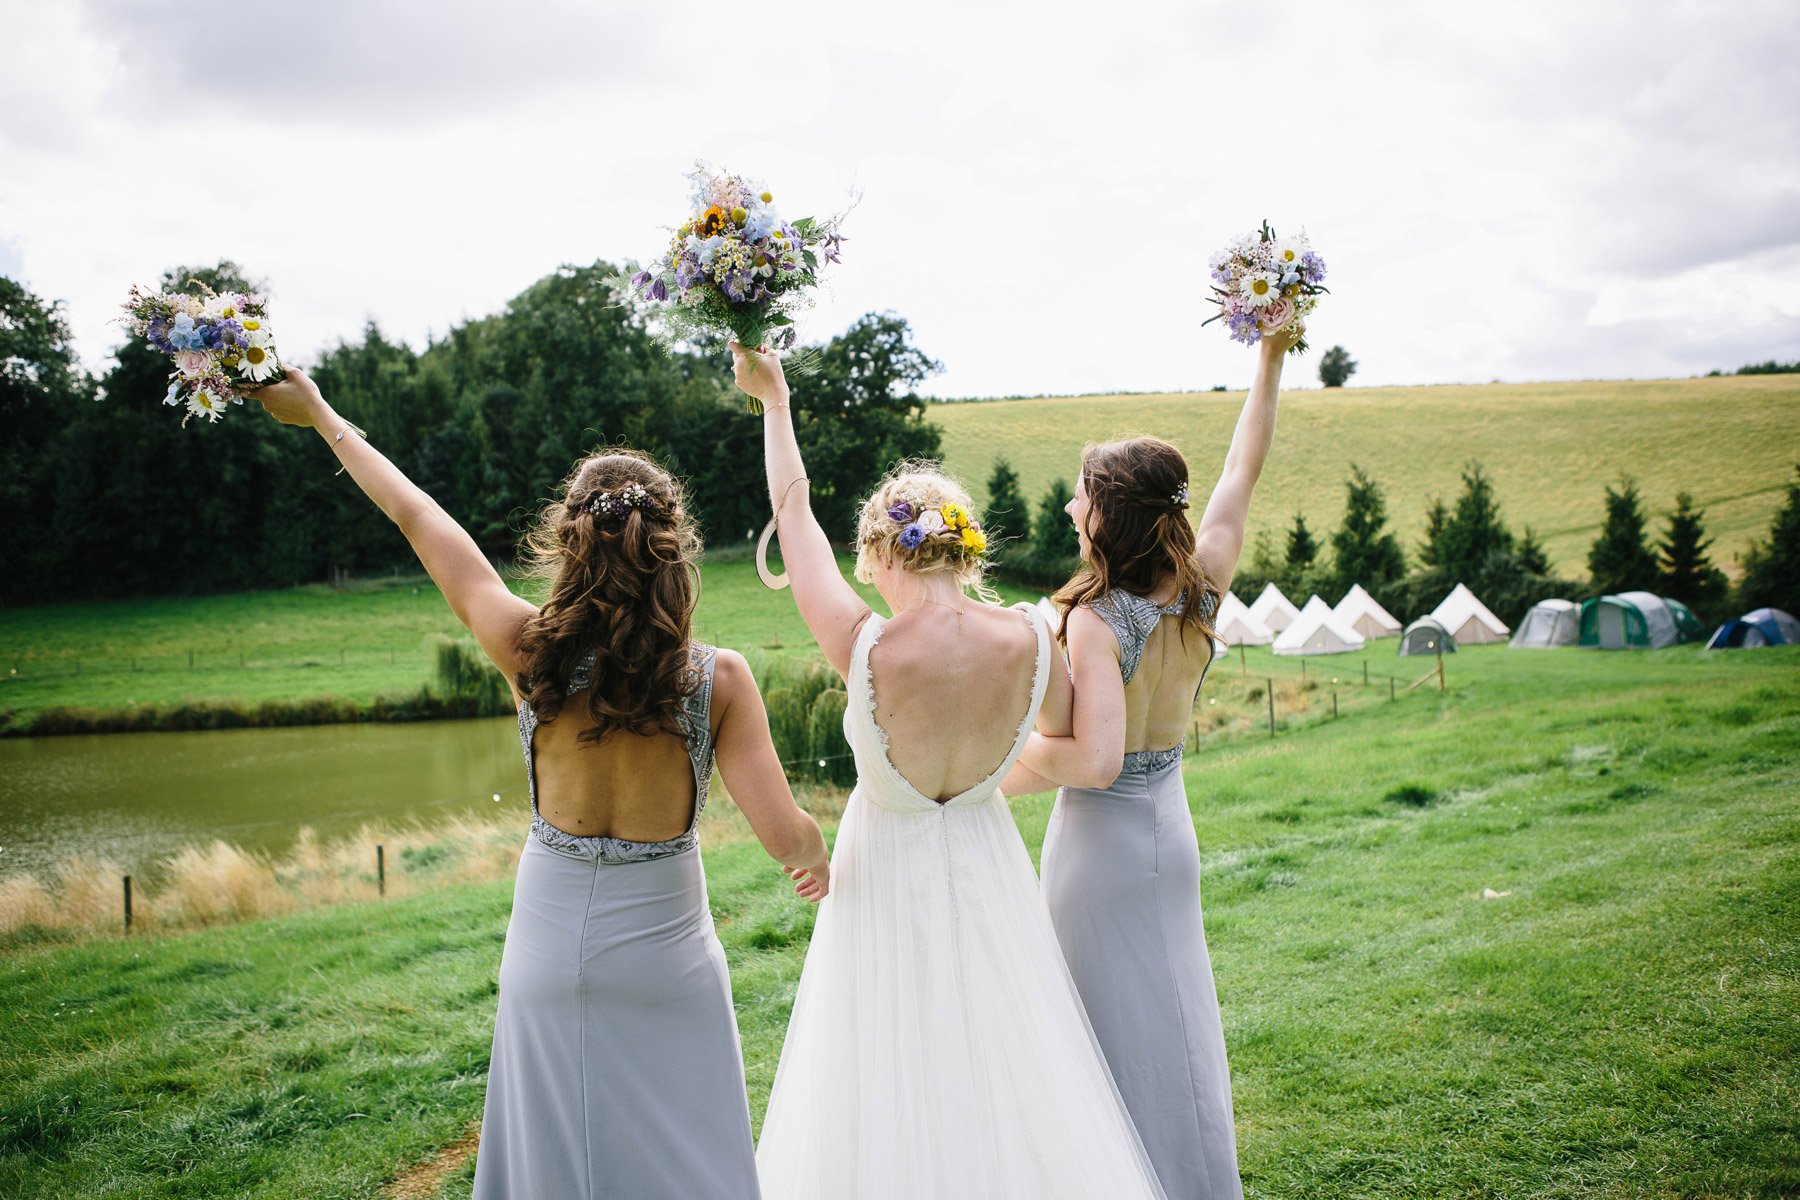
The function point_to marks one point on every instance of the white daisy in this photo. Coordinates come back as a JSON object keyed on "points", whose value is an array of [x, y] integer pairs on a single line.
{"points": [[1289, 251], [257, 360], [203, 402], [1259, 289]]}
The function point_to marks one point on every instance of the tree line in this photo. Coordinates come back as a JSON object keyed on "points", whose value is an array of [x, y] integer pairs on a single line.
{"points": [[1465, 542], [106, 494]]}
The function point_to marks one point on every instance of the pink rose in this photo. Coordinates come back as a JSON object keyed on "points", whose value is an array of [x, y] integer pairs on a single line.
{"points": [[191, 363], [1276, 314]]}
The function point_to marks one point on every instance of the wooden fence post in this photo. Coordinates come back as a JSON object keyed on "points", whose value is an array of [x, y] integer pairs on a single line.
{"points": [[1243, 667], [1390, 687], [1334, 703], [1440, 670], [128, 904], [1365, 672], [1271, 684], [381, 870]]}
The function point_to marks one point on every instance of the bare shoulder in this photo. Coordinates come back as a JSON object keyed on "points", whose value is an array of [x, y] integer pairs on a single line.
{"points": [[1089, 628], [732, 679]]}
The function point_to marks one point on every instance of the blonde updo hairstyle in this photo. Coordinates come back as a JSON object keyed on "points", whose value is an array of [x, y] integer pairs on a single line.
{"points": [[926, 486]]}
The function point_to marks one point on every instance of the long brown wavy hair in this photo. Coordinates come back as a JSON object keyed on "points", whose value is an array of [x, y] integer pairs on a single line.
{"points": [[1137, 527], [627, 585]]}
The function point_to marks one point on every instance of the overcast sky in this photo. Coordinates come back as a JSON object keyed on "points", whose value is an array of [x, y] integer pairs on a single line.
{"points": [[1514, 191]]}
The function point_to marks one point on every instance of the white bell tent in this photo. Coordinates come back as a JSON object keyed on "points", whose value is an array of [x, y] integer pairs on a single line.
{"points": [[1468, 619], [1360, 612], [1317, 631], [1236, 627], [1272, 610]]}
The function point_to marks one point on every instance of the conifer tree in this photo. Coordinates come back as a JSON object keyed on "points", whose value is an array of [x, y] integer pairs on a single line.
{"points": [[1473, 532], [1620, 560], [1772, 568], [1436, 517], [1301, 547], [1688, 574], [1531, 553], [1366, 552], [1055, 531], [1007, 517]]}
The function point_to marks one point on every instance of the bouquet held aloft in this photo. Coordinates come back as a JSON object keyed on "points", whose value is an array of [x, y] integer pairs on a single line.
{"points": [[1263, 283], [220, 345]]}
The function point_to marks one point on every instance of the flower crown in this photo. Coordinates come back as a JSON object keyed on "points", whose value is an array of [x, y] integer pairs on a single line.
{"points": [[615, 506], [948, 523]]}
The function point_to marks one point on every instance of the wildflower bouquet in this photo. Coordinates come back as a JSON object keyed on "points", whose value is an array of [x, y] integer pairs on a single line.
{"points": [[1262, 283], [220, 344], [736, 267]]}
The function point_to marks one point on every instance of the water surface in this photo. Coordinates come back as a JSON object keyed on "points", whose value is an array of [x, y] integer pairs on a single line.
{"points": [[133, 798]]}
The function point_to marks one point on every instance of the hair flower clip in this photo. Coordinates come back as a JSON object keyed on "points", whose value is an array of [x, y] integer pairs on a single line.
{"points": [[931, 520], [900, 512], [1181, 497], [617, 505], [911, 536]]}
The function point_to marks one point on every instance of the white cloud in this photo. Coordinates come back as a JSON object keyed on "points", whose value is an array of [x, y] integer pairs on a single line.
{"points": [[1535, 191]]}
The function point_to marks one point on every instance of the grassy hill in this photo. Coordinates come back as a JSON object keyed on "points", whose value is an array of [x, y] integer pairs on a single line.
{"points": [[1550, 447], [1613, 1020]]}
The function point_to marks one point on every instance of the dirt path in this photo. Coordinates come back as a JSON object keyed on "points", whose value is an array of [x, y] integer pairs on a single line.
{"points": [[423, 1180]]}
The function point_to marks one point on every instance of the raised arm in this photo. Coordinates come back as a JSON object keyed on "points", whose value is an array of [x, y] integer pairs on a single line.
{"points": [[1221, 535], [828, 604], [477, 595], [753, 776]]}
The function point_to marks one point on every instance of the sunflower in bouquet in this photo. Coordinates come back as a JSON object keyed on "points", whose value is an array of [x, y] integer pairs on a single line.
{"points": [[220, 344], [736, 268]]}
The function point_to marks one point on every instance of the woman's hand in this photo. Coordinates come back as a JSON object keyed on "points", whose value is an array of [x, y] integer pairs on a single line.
{"points": [[811, 883], [759, 375], [294, 400], [1276, 344]]}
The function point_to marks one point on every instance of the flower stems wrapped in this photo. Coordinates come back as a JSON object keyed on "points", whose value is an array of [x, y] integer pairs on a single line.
{"points": [[220, 345]]}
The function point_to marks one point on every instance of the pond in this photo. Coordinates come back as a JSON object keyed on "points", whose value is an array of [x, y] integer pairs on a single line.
{"points": [[134, 798]]}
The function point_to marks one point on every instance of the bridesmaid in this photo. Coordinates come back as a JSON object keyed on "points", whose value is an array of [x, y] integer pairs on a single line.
{"points": [[1121, 864], [616, 1069]]}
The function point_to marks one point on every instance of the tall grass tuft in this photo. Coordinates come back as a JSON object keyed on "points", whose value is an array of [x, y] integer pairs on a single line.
{"points": [[466, 681], [806, 702]]}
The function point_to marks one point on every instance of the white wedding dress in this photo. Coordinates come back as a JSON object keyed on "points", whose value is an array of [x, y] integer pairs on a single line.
{"points": [[938, 1049]]}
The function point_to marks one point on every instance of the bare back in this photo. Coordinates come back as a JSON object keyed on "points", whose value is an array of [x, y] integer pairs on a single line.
{"points": [[951, 700], [1159, 695], [637, 788]]}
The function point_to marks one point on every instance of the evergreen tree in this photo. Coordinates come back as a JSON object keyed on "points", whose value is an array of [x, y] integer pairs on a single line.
{"points": [[1532, 555], [1473, 531], [1772, 568], [1436, 518], [1688, 574], [1056, 537], [1006, 519], [1366, 552], [1301, 547], [1621, 560], [1336, 367]]}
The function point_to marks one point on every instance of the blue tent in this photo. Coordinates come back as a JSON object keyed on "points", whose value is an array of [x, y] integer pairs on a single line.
{"points": [[1763, 627]]}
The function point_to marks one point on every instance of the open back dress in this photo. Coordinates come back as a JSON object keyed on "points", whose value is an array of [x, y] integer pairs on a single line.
{"points": [[616, 1070]]}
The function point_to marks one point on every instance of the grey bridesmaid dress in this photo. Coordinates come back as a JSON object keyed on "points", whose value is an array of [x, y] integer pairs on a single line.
{"points": [[616, 1069], [1121, 872]]}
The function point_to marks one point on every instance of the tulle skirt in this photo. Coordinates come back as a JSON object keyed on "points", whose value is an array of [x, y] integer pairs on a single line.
{"points": [[937, 1047]]}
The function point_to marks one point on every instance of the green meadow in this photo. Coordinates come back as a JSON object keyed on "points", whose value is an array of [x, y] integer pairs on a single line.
{"points": [[1537, 934], [301, 642], [1550, 448]]}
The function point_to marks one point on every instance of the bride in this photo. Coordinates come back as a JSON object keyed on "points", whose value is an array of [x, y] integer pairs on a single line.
{"points": [[937, 1046]]}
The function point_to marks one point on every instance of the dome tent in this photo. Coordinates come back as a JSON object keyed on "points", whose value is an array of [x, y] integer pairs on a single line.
{"points": [[1467, 619], [1426, 636], [1236, 627], [1687, 625], [1317, 631], [1272, 610], [1550, 623], [1761, 627], [1629, 621], [1360, 612]]}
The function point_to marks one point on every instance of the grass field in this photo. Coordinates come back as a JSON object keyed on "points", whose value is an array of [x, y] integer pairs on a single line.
{"points": [[300, 642], [1617, 1020], [1551, 448]]}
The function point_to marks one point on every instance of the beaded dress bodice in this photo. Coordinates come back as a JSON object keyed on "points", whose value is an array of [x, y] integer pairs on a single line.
{"points": [[1132, 619]]}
